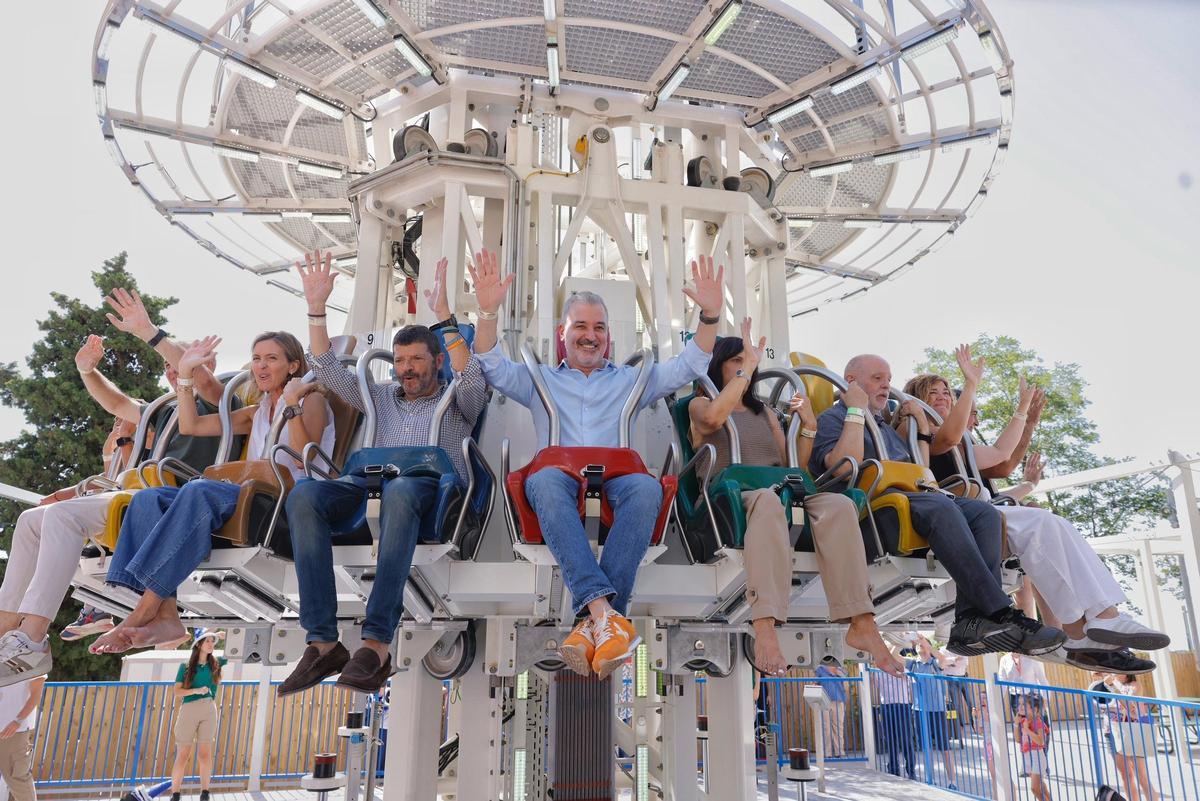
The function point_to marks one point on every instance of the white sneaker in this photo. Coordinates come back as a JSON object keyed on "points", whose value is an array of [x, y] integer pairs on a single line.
{"points": [[1123, 630], [1058, 655], [21, 660]]}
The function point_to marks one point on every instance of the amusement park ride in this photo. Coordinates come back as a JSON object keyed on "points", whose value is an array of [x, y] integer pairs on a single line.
{"points": [[816, 149]]}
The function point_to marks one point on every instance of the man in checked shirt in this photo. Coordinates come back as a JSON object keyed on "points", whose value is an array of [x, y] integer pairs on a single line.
{"points": [[404, 413]]}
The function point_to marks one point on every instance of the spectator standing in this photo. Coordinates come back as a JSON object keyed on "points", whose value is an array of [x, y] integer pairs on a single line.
{"points": [[835, 691], [18, 721]]}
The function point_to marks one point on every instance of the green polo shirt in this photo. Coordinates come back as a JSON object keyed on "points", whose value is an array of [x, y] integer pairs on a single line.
{"points": [[203, 678]]}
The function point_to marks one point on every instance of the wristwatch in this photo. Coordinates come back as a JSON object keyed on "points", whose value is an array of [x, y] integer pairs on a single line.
{"points": [[292, 411], [741, 374], [449, 322]]}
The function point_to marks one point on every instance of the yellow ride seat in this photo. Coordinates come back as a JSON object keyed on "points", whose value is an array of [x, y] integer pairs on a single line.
{"points": [[820, 392]]}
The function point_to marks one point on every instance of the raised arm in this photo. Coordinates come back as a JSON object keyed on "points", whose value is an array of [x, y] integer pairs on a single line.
{"points": [[708, 415], [490, 290], [950, 433], [191, 423], [1006, 443], [1003, 469], [509, 378], [103, 391], [1029, 481], [456, 346], [132, 318], [709, 295], [317, 277]]}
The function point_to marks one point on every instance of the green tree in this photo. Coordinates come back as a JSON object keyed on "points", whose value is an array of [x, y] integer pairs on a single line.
{"points": [[1065, 436], [66, 429]]}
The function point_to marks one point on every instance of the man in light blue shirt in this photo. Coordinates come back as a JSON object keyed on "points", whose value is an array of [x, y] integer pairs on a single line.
{"points": [[589, 392]]}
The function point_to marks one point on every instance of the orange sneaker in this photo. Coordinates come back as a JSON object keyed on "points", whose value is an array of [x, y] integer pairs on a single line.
{"points": [[616, 640], [579, 648]]}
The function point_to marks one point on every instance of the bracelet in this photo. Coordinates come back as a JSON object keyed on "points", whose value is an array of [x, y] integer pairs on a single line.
{"points": [[486, 315], [924, 437], [856, 419], [855, 411], [449, 322], [706, 320], [316, 319], [1020, 416], [808, 433], [86, 372], [184, 383], [458, 343], [158, 337], [183, 388], [123, 441]]}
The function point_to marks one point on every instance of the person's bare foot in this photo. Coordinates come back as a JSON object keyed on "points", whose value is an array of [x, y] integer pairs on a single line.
{"points": [[116, 641], [863, 635], [157, 631], [768, 657]]}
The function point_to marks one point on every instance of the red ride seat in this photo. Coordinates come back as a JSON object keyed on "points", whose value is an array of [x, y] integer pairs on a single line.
{"points": [[574, 461]]}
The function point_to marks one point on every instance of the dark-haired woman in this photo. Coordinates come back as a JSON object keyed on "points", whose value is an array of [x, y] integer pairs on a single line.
{"points": [[196, 724], [167, 531], [767, 550]]}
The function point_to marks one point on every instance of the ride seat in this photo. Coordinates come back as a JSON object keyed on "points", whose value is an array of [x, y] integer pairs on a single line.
{"points": [[592, 467], [725, 495]]}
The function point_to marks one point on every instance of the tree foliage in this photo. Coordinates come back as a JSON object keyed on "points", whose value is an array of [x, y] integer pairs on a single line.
{"points": [[66, 428], [1066, 436]]}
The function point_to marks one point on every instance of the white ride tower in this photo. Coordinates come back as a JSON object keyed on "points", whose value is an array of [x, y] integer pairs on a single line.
{"points": [[594, 145]]}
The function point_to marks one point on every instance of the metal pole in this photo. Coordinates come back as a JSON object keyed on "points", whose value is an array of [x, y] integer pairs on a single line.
{"points": [[1164, 674], [998, 728], [1189, 529], [262, 713], [141, 730], [868, 715]]}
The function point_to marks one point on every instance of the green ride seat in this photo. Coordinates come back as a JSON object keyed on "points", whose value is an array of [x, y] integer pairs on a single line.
{"points": [[725, 496]]}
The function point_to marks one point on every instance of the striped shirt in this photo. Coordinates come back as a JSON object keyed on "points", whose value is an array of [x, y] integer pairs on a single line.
{"points": [[401, 422]]}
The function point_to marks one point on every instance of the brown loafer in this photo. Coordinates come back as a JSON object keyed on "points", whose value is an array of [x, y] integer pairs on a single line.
{"points": [[313, 668], [363, 673]]}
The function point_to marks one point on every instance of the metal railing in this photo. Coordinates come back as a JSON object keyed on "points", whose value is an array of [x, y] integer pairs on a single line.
{"points": [[936, 729], [97, 736]]}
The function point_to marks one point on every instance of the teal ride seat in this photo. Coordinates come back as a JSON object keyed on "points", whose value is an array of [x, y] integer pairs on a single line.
{"points": [[725, 496]]}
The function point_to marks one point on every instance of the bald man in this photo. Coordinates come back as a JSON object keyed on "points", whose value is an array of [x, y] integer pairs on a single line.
{"points": [[964, 534]]}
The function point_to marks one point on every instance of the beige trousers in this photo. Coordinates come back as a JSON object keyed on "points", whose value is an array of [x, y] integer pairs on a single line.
{"points": [[45, 552], [841, 557], [16, 765], [835, 729]]}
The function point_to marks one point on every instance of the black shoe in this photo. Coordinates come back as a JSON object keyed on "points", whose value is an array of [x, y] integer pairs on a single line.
{"points": [[1119, 660], [1011, 630], [364, 673], [174, 796], [313, 668], [204, 795]]}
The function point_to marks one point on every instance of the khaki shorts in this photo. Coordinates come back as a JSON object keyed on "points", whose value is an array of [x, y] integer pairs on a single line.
{"points": [[196, 723]]}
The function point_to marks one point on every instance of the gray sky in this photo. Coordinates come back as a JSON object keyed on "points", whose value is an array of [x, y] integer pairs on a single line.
{"points": [[1085, 249]]}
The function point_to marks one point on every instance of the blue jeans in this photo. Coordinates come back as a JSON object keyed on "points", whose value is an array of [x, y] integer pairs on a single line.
{"points": [[965, 535], [315, 509], [167, 533], [897, 720], [635, 500]]}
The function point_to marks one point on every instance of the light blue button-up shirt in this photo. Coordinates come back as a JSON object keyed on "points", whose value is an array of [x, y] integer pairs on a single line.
{"points": [[589, 406]]}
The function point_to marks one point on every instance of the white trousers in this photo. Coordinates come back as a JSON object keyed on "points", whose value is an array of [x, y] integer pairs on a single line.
{"points": [[1065, 570], [45, 552]]}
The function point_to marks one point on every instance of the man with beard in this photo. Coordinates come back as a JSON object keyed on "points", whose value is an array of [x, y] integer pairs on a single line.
{"points": [[316, 508], [589, 391]]}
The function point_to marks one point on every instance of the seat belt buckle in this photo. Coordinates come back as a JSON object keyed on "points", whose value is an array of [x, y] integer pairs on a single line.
{"points": [[796, 488], [593, 486]]}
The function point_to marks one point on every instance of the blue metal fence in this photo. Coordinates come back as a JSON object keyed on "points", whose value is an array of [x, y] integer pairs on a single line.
{"points": [[782, 708], [99, 735]]}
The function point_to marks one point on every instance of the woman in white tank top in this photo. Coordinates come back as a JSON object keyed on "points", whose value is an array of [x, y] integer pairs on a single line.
{"points": [[167, 532]]}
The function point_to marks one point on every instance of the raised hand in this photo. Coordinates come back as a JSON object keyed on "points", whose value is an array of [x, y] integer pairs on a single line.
{"points": [[1034, 466], [972, 371], [437, 297], [295, 390], [490, 287], [317, 275], [855, 396], [751, 354], [709, 291], [1024, 396], [131, 315], [88, 356], [1036, 406], [197, 354]]}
